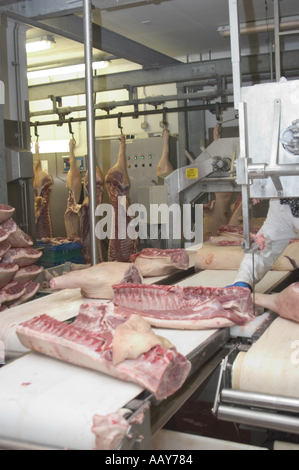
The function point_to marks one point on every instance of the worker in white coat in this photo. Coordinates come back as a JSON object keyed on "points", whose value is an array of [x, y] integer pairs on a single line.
{"points": [[280, 227]]}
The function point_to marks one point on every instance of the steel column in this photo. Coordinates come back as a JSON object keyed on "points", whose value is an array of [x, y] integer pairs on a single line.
{"points": [[87, 19], [277, 40], [235, 48]]}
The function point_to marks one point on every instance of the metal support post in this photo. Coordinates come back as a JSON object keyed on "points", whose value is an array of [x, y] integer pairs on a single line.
{"points": [[235, 48], [277, 40], [87, 18], [245, 180]]}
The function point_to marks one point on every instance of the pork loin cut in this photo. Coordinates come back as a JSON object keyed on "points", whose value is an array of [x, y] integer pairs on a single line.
{"points": [[22, 256], [4, 247], [194, 308], [88, 343], [11, 291], [7, 273], [152, 262], [31, 289], [6, 212], [17, 238], [96, 282], [30, 273]]}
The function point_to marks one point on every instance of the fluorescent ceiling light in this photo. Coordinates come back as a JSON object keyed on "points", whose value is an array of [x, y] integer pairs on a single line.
{"points": [[39, 44], [51, 146], [66, 70]]}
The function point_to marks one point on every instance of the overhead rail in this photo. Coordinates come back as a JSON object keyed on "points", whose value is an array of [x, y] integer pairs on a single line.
{"points": [[152, 100], [181, 109]]}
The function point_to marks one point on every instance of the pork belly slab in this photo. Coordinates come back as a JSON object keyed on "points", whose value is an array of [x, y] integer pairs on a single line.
{"points": [[88, 343], [194, 308], [152, 262]]}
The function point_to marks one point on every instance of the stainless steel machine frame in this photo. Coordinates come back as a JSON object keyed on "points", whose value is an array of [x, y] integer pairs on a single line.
{"points": [[266, 169], [209, 172]]}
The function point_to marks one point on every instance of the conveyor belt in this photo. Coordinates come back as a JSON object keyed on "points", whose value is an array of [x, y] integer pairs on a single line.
{"points": [[48, 402]]}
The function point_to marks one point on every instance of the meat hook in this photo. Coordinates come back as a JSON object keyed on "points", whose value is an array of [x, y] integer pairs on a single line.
{"points": [[35, 131], [71, 130], [119, 123]]}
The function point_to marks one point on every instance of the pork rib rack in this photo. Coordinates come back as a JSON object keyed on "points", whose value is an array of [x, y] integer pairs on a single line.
{"points": [[88, 343], [193, 308]]}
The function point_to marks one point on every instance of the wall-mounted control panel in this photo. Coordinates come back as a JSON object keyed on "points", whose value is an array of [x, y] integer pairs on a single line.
{"points": [[142, 159], [80, 163]]}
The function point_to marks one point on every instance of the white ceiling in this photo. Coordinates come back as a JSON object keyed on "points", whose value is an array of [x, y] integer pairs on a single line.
{"points": [[177, 28]]}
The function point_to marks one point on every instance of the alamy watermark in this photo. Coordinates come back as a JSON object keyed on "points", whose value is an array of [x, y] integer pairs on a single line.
{"points": [[136, 221]]}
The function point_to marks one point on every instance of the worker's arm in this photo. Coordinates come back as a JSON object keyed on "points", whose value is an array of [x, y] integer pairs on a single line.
{"points": [[252, 272], [278, 230]]}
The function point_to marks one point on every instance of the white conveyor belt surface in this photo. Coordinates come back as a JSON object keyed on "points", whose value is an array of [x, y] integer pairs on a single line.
{"points": [[49, 402]]}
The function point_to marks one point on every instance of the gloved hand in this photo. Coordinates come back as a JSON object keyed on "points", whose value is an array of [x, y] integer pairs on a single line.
{"points": [[241, 284]]}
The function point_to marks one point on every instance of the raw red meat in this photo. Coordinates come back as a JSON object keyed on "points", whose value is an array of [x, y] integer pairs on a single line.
{"points": [[7, 272], [6, 212], [31, 289], [110, 431], [196, 308], [71, 216], [11, 291], [60, 240], [233, 236], [16, 237], [121, 245], [22, 256], [84, 217], [27, 274], [88, 343], [153, 262], [74, 185], [3, 235], [4, 247], [42, 186]]}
